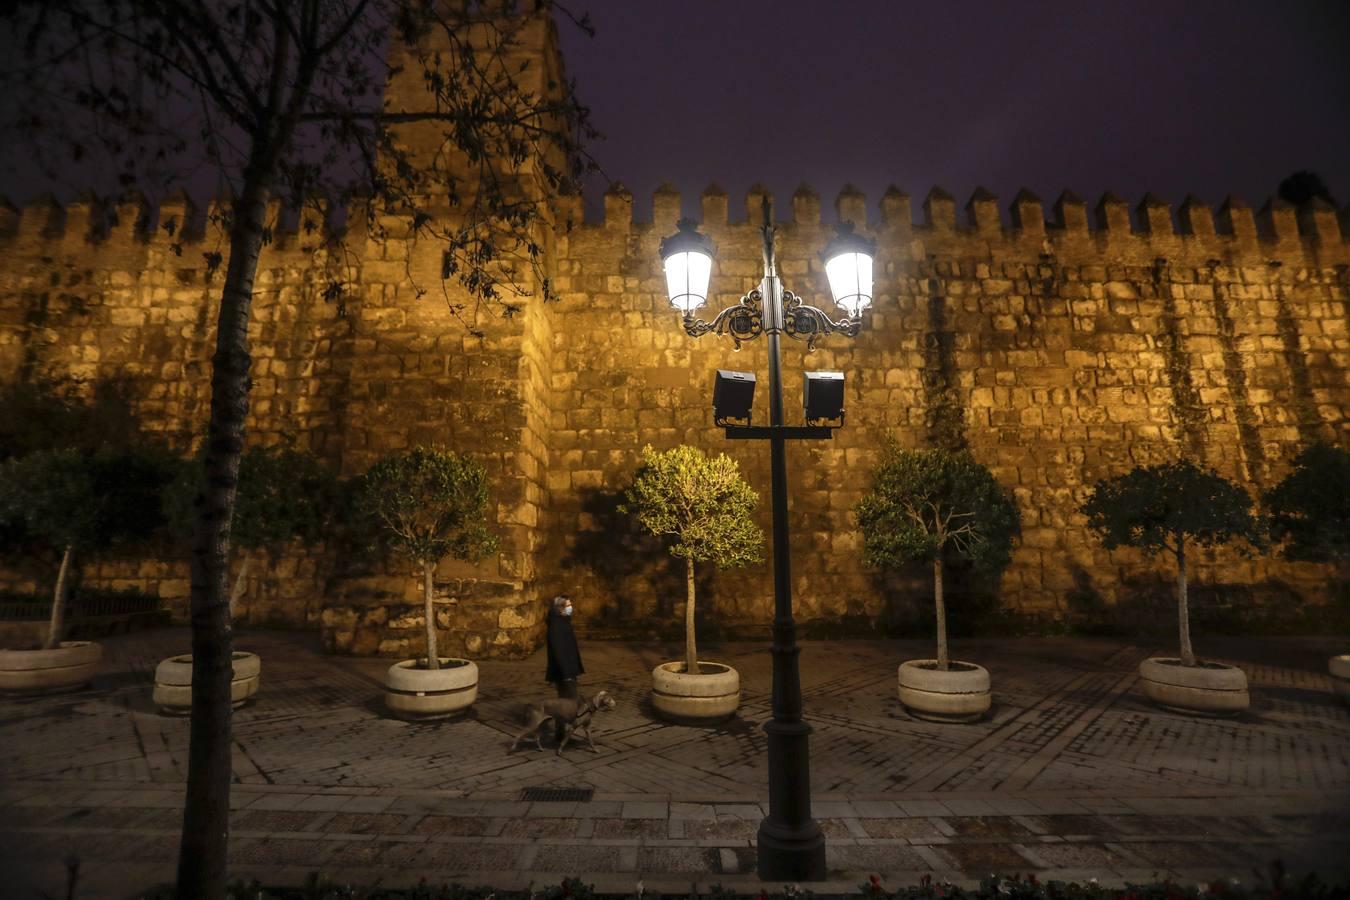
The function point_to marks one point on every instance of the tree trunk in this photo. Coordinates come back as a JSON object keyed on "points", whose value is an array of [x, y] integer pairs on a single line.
{"points": [[690, 650], [58, 623], [240, 585], [206, 825], [1183, 608], [433, 654], [943, 660]]}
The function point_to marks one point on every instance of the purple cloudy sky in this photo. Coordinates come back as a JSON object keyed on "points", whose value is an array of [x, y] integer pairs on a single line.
{"points": [[1203, 96], [1131, 96]]}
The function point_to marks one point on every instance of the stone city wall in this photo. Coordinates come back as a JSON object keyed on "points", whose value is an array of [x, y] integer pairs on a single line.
{"points": [[1059, 352], [386, 366]]}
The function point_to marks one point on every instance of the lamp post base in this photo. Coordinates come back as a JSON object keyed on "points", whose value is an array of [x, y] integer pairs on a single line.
{"points": [[790, 854]]}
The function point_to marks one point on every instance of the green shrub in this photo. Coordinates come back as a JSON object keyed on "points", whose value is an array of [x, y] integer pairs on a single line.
{"points": [[936, 506], [429, 504], [1309, 511], [74, 501], [1165, 508], [703, 507]]}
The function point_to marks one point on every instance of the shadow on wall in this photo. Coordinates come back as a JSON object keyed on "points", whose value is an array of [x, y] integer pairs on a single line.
{"points": [[1146, 607], [640, 586], [906, 608]]}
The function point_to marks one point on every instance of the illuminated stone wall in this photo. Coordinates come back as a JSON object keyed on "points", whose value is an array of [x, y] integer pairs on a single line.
{"points": [[1058, 351]]}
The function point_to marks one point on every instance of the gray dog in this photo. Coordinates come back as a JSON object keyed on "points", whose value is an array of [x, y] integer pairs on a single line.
{"points": [[574, 716]]}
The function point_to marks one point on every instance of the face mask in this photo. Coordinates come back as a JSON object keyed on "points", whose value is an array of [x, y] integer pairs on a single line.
{"points": [[567, 610]]}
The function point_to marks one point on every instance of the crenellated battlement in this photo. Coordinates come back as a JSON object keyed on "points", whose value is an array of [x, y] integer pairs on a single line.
{"points": [[1318, 232], [92, 222], [1275, 225]]}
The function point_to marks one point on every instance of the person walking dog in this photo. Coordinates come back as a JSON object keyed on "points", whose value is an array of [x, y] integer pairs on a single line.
{"points": [[564, 657]]}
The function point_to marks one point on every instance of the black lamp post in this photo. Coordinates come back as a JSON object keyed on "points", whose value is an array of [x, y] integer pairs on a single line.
{"points": [[791, 845]]}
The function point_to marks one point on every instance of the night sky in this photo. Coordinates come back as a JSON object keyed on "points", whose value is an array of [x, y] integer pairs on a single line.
{"points": [[1209, 98]]}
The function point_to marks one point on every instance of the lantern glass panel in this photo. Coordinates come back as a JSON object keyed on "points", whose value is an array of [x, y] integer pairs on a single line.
{"points": [[850, 275], [687, 276]]}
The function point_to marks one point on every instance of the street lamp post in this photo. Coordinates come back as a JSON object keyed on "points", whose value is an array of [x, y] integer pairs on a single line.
{"points": [[791, 845]]}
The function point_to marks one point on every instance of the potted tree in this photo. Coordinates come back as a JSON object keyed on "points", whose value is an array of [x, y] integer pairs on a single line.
{"points": [[1171, 508], [1309, 512], [704, 507], [75, 501], [429, 504], [284, 495], [938, 507]]}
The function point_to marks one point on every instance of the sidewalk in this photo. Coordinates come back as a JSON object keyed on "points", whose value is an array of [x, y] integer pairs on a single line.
{"points": [[1074, 776]]}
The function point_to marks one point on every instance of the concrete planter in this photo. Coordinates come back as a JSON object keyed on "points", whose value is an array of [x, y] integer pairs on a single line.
{"points": [[62, 668], [709, 697], [1339, 667], [1210, 689], [960, 694], [173, 682], [420, 694]]}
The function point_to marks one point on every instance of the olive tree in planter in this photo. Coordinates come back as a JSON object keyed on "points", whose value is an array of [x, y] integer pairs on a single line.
{"points": [[429, 504], [704, 507], [75, 501], [938, 506], [1172, 508], [1309, 512], [284, 495]]}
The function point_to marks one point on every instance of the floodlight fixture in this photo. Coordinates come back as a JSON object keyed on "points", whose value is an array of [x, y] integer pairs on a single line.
{"points": [[823, 397], [733, 396]]}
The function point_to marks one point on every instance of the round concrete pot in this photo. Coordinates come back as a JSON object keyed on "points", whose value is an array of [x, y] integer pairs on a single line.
{"points": [[62, 668], [419, 694], [707, 698], [1339, 667], [959, 694], [1209, 689], [173, 682]]}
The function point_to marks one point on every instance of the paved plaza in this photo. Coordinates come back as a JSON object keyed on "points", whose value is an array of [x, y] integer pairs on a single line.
{"points": [[1074, 775]]}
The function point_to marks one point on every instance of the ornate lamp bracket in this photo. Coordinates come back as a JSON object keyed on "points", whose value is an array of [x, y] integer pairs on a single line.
{"points": [[745, 321]]}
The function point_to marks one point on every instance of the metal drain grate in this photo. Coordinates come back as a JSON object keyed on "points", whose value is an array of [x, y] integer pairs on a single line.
{"points": [[556, 794]]}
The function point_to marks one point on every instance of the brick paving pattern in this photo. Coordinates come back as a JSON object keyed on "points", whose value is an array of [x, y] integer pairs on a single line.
{"points": [[1074, 775]]}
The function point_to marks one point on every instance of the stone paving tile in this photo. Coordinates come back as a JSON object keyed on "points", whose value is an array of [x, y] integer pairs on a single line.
{"points": [[462, 826], [542, 828], [645, 810], [1182, 855], [630, 828], [874, 858], [576, 858], [1088, 825], [899, 828], [272, 820], [287, 851], [470, 857], [834, 828], [726, 827], [355, 853], [704, 811], [678, 859], [1091, 857], [364, 823], [1003, 827], [997, 859]]}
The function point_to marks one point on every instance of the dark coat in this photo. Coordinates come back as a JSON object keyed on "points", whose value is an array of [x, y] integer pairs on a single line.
{"points": [[564, 658]]}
